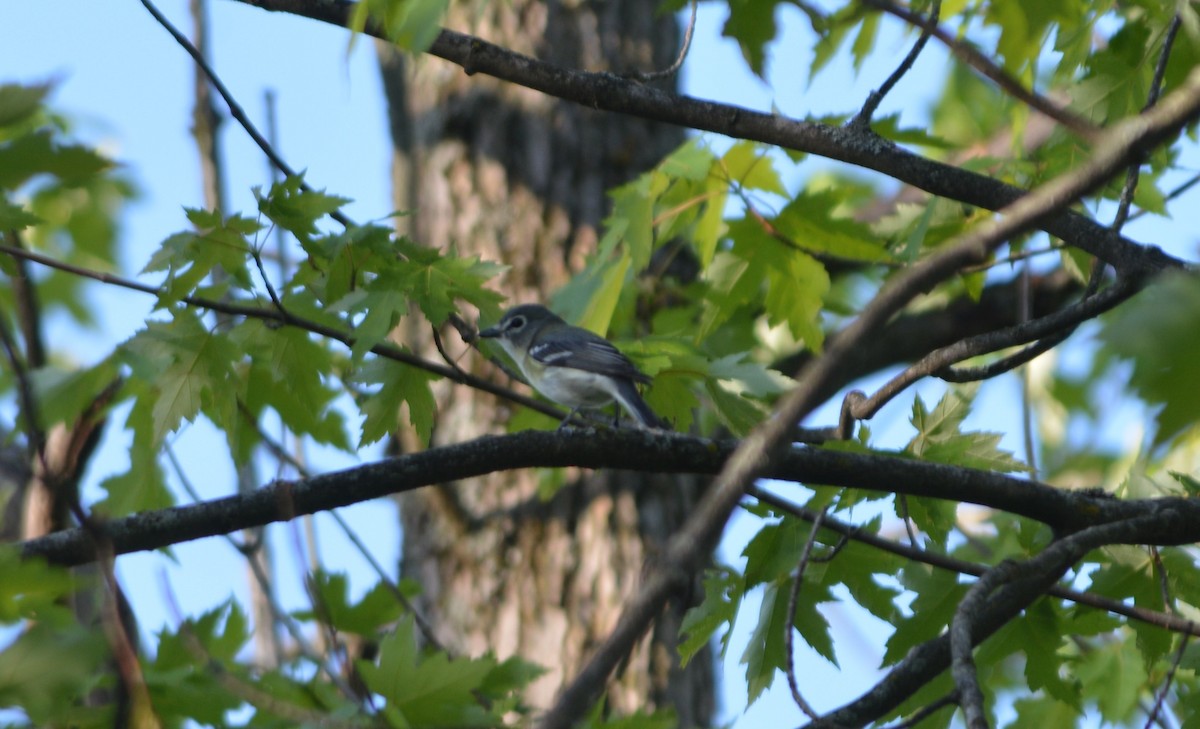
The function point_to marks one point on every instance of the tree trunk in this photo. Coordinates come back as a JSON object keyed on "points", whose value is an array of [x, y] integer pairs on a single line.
{"points": [[521, 178]]}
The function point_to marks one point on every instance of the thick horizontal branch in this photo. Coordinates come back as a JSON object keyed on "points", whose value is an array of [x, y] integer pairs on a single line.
{"points": [[862, 148], [625, 449]]}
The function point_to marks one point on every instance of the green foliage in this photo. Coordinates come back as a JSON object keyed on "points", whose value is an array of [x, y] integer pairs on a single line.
{"points": [[433, 690], [411, 24], [711, 269], [1155, 332]]}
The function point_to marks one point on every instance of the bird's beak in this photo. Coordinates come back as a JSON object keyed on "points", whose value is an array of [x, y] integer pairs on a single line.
{"points": [[490, 333]]}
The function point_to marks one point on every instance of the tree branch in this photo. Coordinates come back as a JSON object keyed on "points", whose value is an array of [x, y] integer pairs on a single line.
{"points": [[625, 449], [863, 118], [969, 55], [764, 446], [1162, 620], [1039, 573], [283, 317], [609, 92]]}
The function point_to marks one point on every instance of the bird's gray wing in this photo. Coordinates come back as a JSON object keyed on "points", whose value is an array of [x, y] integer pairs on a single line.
{"points": [[593, 354]]}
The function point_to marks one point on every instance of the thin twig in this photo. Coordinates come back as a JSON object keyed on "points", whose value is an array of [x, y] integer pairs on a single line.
{"points": [[235, 109], [1134, 172], [678, 63], [1024, 297], [963, 567], [281, 615], [986, 67], [35, 438], [1040, 331], [790, 629], [1172, 195], [863, 118], [1161, 695], [281, 453], [950, 699], [902, 505], [29, 309]]}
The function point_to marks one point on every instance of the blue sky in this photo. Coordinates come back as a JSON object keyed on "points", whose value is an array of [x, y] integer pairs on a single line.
{"points": [[127, 85]]}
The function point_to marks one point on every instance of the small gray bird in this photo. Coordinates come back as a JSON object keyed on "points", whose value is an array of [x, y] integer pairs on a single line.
{"points": [[571, 365]]}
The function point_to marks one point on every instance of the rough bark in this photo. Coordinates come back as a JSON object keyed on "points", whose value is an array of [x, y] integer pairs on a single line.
{"points": [[519, 177]]}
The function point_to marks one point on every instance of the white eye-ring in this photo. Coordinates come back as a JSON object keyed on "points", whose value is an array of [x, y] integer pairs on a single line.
{"points": [[516, 323]]}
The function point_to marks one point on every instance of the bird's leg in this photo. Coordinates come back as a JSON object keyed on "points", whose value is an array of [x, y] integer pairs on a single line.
{"points": [[616, 415], [567, 420]]}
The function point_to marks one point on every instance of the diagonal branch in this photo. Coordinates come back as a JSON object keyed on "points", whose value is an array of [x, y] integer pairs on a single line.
{"points": [[766, 443], [235, 109], [1046, 328], [863, 118]]}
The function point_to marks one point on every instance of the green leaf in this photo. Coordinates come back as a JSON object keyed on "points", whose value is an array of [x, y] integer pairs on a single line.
{"points": [[1156, 332], [296, 210], [426, 691], [142, 487], [189, 258], [590, 299], [752, 24], [377, 608], [190, 368], [722, 598], [773, 552], [47, 668], [737, 413], [182, 679], [39, 153], [748, 165], [398, 384], [411, 24], [18, 103], [64, 396], [938, 594], [436, 282], [795, 295], [811, 221], [31, 589], [939, 438], [765, 654], [15, 217], [1115, 675]]}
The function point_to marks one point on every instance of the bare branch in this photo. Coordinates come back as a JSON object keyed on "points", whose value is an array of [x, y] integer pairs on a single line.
{"points": [[790, 629], [969, 55], [1046, 328], [950, 699], [1167, 681], [1134, 172], [29, 310], [235, 109], [673, 69], [863, 118]]}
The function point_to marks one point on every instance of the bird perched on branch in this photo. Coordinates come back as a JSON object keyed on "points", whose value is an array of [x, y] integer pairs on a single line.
{"points": [[571, 365]]}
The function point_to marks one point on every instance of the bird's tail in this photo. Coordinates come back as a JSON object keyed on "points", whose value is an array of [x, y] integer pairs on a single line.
{"points": [[631, 400]]}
